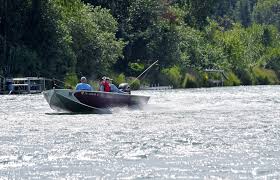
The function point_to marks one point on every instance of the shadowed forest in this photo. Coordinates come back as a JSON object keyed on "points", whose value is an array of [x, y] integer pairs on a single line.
{"points": [[65, 39]]}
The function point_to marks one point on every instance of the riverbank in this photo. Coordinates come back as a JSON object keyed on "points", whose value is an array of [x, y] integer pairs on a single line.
{"points": [[175, 77]]}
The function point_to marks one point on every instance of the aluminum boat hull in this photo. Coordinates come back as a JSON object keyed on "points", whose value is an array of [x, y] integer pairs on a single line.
{"points": [[91, 101]]}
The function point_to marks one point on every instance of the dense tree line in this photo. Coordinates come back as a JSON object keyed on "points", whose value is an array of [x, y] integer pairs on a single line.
{"points": [[67, 38]]}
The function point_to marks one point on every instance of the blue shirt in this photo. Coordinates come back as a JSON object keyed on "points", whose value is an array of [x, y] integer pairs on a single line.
{"points": [[84, 86]]}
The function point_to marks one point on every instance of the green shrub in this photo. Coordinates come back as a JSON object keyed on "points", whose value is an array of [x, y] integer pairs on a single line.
{"points": [[265, 76], [119, 79], [245, 76], [190, 81], [211, 78], [204, 77], [71, 80], [135, 85], [172, 76], [232, 80], [94, 84], [136, 67]]}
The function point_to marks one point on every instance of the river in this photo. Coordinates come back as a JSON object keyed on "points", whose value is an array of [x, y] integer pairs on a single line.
{"points": [[207, 133]]}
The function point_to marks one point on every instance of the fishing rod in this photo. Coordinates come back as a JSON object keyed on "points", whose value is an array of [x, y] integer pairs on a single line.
{"points": [[66, 84], [57, 80], [144, 72], [81, 74], [53, 79]]}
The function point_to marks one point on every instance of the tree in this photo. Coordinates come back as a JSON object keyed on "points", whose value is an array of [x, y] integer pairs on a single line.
{"points": [[92, 31], [243, 12], [35, 44], [267, 12], [197, 11]]}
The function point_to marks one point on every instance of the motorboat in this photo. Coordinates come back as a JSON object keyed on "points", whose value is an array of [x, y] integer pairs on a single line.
{"points": [[91, 101], [95, 101]]}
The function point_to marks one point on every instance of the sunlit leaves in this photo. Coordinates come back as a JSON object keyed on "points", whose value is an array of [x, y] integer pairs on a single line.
{"points": [[92, 31], [267, 12], [245, 47]]}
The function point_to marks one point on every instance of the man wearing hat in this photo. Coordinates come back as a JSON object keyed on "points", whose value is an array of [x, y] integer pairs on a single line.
{"points": [[83, 85], [105, 84]]}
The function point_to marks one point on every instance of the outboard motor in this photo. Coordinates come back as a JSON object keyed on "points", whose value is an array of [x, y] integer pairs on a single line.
{"points": [[125, 87]]}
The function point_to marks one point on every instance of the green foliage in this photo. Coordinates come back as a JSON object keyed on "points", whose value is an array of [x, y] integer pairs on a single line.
{"points": [[71, 80], [247, 47], [273, 59], [197, 52], [245, 76], [233, 44], [93, 34], [119, 79], [34, 37], [143, 13], [94, 84], [265, 76], [136, 68], [26, 57], [51, 38], [152, 35], [197, 11], [267, 12], [63, 36], [172, 76], [243, 12], [163, 43], [134, 84], [190, 42], [190, 81], [232, 80]]}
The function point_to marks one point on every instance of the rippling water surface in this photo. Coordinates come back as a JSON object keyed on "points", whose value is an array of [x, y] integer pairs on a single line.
{"points": [[228, 133]]}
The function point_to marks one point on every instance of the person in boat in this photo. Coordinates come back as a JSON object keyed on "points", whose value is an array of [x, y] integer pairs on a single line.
{"points": [[113, 87], [83, 85], [106, 85]]}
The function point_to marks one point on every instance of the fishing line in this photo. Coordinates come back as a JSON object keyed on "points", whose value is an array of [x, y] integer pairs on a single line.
{"points": [[57, 80], [143, 72]]}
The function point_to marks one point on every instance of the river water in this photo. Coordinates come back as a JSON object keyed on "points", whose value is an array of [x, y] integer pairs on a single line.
{"points": [[207, 133]]}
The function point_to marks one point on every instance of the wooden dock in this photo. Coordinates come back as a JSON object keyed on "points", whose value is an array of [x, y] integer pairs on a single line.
{"points": [[26, 85]]}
